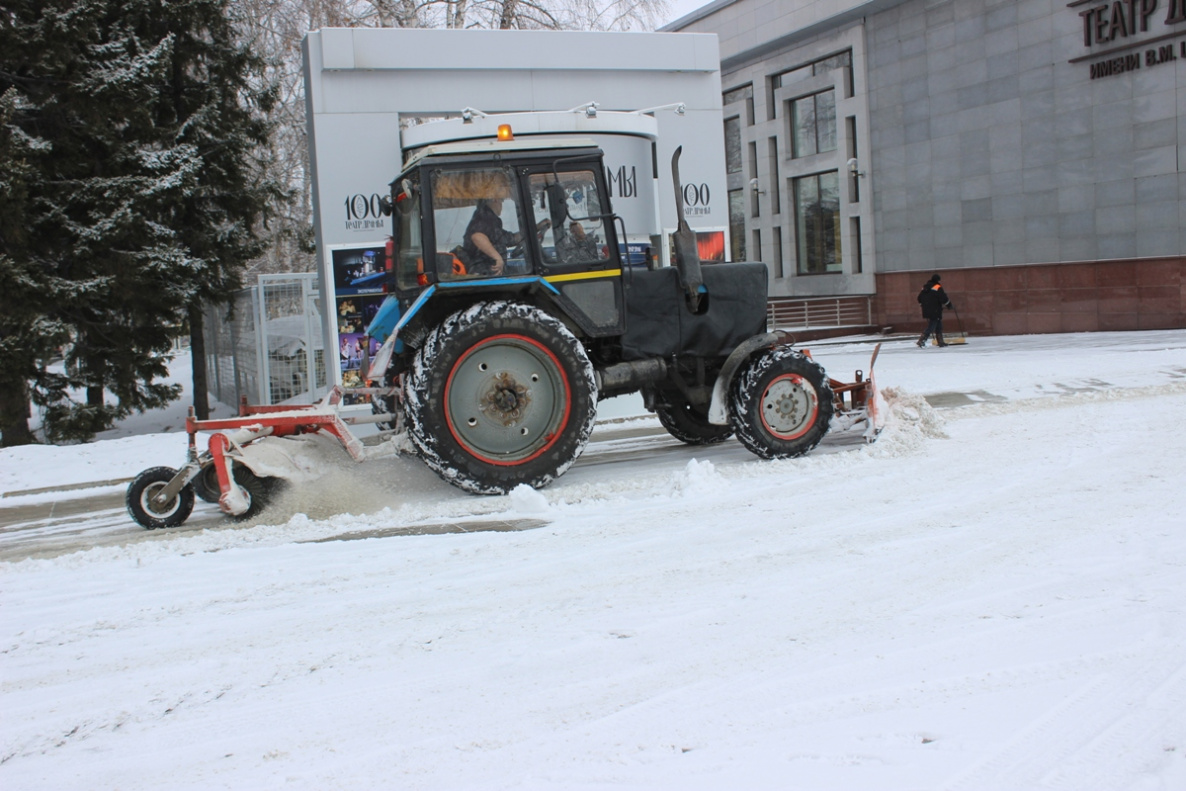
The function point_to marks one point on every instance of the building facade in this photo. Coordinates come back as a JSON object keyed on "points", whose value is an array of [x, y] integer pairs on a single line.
{"points": [[1031, 151]]}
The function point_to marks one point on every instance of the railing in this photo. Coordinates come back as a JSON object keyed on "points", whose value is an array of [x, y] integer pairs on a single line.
{"points": [[819, 313]]}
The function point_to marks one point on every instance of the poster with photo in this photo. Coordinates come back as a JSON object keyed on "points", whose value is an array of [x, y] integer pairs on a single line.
{"points": [[360, 283], [709, 244], [351, 348], [360, 270], [355, 313], [350, 357]]}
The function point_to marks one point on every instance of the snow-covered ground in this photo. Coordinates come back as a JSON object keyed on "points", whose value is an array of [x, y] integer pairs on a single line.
{"points": [[991, 596]]}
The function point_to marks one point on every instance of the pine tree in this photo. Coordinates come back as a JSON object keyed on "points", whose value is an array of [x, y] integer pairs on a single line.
{"points": [[134, 124], [217, 100], [84, 259], [25, 334]]}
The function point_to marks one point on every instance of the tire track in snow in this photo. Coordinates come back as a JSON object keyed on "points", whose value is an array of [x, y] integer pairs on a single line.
{"points": [[1068, 746], [1121, 751], [1065, 399]]}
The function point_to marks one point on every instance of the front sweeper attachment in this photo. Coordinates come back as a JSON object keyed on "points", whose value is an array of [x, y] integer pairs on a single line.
{"points": [[241, 470], [856, 402]]}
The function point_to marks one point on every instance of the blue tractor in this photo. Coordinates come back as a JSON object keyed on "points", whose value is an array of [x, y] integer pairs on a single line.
{"points": [[512, 313]]}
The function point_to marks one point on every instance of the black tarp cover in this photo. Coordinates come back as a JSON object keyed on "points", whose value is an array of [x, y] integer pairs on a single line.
{"points": [[659, 324]]}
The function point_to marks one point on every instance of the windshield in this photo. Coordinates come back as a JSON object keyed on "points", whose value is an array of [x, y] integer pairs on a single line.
{"points": [[477, 221]]}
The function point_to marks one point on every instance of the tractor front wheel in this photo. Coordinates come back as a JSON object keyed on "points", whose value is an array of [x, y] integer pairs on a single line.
{"points": [[500, 394], [781, 404], [150, 515]]}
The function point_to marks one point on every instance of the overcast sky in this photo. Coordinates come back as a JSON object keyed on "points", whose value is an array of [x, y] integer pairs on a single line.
{"points": [[680, 8]]}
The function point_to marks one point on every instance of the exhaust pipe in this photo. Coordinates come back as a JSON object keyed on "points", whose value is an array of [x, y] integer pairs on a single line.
{"points": [[630, 376]]}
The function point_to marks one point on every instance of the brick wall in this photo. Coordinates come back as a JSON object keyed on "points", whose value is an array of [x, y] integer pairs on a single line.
{"points": [[1141, 294]]}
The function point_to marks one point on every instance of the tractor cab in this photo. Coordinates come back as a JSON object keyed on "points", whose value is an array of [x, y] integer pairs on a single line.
{"points": [[514, 217]]}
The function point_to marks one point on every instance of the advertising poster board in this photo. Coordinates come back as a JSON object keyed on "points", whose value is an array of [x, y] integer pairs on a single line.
{"points": [[710, 244], [359, 291]]}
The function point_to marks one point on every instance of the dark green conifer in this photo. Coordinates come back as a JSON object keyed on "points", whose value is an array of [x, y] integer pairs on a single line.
{"points": [[132, 127]]}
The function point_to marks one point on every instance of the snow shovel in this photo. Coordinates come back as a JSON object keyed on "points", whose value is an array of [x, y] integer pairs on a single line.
{"points": [[953, 338]]}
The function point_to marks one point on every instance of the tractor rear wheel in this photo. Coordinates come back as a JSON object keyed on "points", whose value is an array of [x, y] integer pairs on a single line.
{"points": [[500, 394], [781, 404], [149, 515], [687, 423]]}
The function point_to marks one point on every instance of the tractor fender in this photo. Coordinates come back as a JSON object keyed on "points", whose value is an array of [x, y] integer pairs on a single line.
{"points": [[718, 410], [485, 288], [383, 324]]}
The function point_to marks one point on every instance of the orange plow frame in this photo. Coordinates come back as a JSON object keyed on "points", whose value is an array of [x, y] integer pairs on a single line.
{"points": [[857, 399]]}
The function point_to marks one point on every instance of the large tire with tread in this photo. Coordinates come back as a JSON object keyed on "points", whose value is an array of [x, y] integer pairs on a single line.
{"points": [[780, 404], [139, 500], [500, 394], [688, 424]]}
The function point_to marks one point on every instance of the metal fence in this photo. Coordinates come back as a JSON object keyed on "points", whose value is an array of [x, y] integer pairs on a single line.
{"points": [[267, 344], [832, 312]]}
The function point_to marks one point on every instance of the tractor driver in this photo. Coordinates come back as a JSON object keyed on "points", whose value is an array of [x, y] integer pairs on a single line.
{"points": [[486, 240]]}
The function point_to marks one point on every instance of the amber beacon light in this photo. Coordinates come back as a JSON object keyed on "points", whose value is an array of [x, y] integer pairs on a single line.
{"points": [[505, 133]]}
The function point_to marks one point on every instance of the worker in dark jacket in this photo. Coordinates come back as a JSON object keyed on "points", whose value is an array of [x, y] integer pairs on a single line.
{"points": [[933, 299], [486, 241]]}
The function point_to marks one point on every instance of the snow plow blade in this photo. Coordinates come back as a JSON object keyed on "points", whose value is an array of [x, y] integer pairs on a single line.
{"points": [[857, 401]]}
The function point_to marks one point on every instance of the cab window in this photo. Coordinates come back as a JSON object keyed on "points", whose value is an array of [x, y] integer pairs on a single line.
{"points": [[477, 222], [566, 206], [409, 248]]}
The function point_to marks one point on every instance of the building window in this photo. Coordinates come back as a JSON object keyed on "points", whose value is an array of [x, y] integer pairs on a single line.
{"points": [[753, 174], [736, 225], [858, 263], [732, 145], [817, 223], [775, 179], [778, 252], [854, 181], [813, 124], [841, 60], [822, 66], [743, 94]]}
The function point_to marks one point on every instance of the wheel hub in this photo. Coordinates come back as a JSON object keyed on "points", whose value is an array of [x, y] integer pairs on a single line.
{"points": [[506, 400], [149, 500], [788, 405]]}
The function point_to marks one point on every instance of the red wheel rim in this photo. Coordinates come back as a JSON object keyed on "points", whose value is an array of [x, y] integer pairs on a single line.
{"points": [[789, 407], [507, 396]]}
